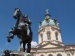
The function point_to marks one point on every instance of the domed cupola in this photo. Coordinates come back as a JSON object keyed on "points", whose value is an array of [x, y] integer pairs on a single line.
{"points": [[48, 21], [49, 31]]}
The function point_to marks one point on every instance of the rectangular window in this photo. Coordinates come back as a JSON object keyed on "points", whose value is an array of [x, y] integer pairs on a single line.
{"points": [[49, 36], [56, 36], [41, 37]]}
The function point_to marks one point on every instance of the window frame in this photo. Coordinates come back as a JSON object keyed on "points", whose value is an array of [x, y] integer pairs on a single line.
{"points": [[41, 37], [56, 35], [59, 55], [49, 35]]}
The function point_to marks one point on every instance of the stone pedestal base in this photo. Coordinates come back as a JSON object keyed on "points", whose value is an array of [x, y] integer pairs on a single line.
{"points": [[27, 54], [17, 53], [24, 54]]}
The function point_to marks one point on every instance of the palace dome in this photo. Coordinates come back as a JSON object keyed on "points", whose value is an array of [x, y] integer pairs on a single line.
{"points": [[48, 21]]}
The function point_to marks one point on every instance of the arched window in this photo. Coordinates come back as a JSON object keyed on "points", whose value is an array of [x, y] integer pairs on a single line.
{"points": [[56, 35], [49, 35], [68, 54], [42, 55], [41, 37], [50, 55], [59, 55]]}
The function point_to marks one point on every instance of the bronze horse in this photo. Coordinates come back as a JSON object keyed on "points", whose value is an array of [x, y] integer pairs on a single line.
{"points": [[22, 29]]}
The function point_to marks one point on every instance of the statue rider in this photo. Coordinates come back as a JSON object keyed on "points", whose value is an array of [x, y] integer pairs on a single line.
{"points": [[27, 20]]}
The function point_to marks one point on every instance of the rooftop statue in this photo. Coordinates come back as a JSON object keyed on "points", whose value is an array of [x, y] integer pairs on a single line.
{"points": [[22, 29]]}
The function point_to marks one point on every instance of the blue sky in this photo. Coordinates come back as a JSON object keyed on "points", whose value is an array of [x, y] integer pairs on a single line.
{"points": [[62, 10]]}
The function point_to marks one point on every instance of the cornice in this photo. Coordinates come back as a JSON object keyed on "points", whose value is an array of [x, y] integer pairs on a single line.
{"points": [[54, 27], [49, 42]]}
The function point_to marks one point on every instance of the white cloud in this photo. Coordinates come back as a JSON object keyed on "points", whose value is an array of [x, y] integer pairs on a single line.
{"points": [[33, 44]]}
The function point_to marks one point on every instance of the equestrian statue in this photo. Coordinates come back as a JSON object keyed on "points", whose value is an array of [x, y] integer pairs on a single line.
{"points": [[22, 29]]}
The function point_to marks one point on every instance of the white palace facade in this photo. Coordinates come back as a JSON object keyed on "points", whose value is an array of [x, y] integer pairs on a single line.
{"points": [[50, 40]]}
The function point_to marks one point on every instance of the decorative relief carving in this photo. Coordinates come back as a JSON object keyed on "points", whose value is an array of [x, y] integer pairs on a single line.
{"points": [[47, 28], [52, 28], [43, 29]]}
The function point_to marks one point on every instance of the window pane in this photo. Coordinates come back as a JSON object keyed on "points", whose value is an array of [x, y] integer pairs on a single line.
{"points": [[56, 35], [49, 35], [42, 37]]}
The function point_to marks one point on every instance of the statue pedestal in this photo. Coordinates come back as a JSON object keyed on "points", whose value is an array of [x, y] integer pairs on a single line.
{"points": [[17, 53], [25, 54]]}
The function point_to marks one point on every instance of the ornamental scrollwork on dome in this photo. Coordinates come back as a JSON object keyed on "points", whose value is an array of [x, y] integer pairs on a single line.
{"points": [[40, 23], [56, 23]]}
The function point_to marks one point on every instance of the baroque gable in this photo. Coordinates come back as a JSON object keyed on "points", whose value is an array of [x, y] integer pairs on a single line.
{"points": [[50, 44]]}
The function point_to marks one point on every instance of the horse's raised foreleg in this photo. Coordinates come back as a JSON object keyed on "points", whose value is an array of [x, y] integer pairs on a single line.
{"points": [[10, 35]]}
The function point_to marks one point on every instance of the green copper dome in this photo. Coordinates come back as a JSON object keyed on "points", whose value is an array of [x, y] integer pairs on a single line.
{"points": [[48, 21]]}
